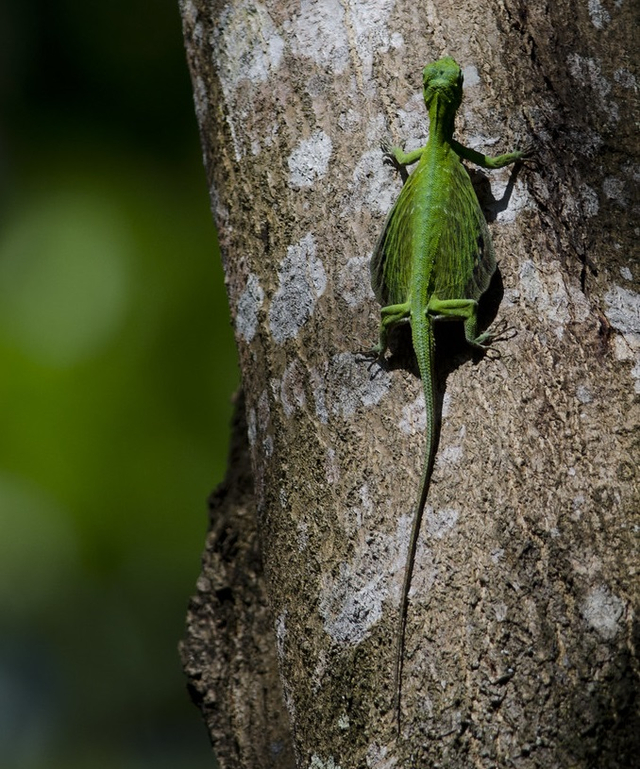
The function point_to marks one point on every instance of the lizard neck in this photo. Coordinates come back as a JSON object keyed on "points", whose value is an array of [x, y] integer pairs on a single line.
{"points": [[442, 116]]}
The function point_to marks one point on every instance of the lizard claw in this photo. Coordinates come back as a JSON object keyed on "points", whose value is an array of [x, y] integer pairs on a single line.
{"points": [[485, 341], [389, 154], [503, 333], [527, 152]]}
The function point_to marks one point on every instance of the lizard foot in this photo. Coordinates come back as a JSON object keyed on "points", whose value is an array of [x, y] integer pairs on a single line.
{"points": [[528, 152], [389, 155], [484, 342]]}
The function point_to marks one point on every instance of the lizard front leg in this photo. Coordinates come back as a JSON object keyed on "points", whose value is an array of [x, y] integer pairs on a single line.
{"points": [[486, 161]]}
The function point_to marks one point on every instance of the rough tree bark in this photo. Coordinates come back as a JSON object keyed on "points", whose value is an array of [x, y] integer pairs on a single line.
{"points": [[522, 634]]}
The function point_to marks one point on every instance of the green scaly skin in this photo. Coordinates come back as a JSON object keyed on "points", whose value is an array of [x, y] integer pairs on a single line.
{"points": [[433, 261]]}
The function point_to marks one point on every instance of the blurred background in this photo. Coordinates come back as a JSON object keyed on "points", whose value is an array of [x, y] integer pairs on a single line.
{"points": [[116, 370]]}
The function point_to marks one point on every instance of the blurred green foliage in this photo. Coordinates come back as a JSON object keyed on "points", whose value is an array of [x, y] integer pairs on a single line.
{"points": [[116, 369]]}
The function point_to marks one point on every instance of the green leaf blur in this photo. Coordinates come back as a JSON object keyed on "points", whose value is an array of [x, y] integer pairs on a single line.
{"points": [[117, 366]]}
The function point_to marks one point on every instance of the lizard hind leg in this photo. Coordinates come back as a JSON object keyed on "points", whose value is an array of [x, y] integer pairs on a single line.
{"points": [[466, 310], [390, 316]]}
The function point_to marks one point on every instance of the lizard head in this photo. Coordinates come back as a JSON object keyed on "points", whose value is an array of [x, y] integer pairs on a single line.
{"points": [[443, 79]]}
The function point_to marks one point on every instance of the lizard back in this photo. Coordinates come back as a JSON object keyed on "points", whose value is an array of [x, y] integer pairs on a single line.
{"points": [[435, 234]]}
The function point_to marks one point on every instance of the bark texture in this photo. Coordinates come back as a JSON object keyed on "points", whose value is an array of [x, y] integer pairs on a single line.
{"points": [[522, 633]]}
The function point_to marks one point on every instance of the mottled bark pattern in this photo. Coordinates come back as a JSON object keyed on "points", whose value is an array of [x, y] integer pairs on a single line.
{"points": [[522, 631]]}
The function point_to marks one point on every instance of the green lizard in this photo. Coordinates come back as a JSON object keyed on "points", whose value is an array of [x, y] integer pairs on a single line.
{"points": [[433, 261]]}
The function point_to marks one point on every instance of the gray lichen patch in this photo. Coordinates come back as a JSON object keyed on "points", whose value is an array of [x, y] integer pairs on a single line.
{"points": [[249, 305], [320, 763], [351, 598], [599, 15], [353, 281], [471, 76], [626, 79], [373, 184], [329, 35], [414, 416], [250, 50], [552, 297], [292, 394], [616, 190], [588, 73], [441, 522], [602, 610], [519, 200], [589, 203], [351, 602], [411, 123], [319, 33], [302, 281], [623, 309], [309, 161], [347, 385]]}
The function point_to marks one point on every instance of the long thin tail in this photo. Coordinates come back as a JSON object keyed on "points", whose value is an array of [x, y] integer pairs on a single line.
{"points": [[423, 344]]}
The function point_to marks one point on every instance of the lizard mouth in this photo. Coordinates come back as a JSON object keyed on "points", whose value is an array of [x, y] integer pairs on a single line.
{"points": [[443, 91]]}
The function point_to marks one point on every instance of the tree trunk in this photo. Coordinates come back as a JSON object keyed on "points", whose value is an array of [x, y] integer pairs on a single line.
{"points": [[522, 630]]}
